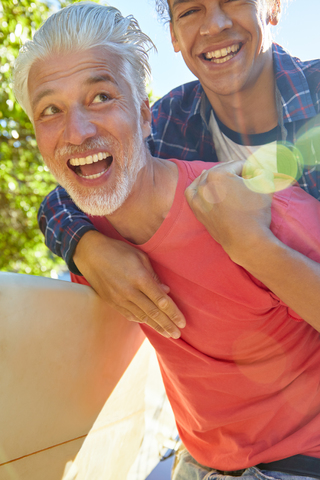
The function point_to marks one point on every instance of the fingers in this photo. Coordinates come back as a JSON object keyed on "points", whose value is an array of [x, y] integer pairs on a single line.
{"points": [[192, 189], [262, 182], [212, 175], [123, 276], [157, 310]]}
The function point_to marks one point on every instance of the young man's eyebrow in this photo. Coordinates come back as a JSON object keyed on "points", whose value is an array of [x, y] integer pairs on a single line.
{"points": [[177, 2]]}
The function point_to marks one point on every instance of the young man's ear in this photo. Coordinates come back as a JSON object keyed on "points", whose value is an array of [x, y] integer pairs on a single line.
{"points": [[274, 15], [145, 118], [174, 40]]}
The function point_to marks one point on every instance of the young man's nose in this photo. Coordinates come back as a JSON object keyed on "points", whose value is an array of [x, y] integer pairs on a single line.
{"points": [[216, 20], [79, 127]]}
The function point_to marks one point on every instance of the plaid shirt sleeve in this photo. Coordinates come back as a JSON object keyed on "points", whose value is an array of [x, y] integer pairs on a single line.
{"points": [[63, 225]]}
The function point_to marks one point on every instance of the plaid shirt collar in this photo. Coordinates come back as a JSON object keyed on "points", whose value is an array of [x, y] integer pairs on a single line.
{"points": [[296, 98]]}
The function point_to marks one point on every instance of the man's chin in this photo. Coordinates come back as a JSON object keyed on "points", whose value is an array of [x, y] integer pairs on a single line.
{"points": [[95, 207], [99, 205]]}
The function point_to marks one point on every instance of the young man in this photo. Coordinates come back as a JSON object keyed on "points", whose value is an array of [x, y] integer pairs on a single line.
{"points": [[251, 92], [243, 378]]}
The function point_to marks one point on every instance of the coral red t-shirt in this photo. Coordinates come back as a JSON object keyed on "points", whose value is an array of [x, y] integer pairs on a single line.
{"points": [[244, 378]]}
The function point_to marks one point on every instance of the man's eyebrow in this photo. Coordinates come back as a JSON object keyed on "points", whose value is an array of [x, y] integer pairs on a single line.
{"points": [[90, 81], [177, 2], [40, 96], [100, 78]]}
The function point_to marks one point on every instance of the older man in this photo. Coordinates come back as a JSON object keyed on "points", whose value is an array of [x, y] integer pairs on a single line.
{"points": [[243, 378], [250, 93]]}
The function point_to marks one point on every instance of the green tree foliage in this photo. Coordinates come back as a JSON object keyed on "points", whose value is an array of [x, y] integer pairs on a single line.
{"points": [[24, 180]]}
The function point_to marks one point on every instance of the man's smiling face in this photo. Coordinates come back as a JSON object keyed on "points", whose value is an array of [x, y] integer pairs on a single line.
{"points": [[225, 43], [87, 126]]}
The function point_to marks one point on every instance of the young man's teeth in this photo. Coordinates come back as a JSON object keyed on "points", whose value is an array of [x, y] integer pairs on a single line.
{"points": [[223, 60], [220, 56], [76, 162]]}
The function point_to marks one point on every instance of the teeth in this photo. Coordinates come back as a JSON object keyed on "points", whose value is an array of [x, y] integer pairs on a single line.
{"points": [[222, 54], [223, 60], [90, 177], [76, 162]]}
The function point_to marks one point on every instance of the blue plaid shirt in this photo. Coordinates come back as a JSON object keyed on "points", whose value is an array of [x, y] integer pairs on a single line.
{"points": [[180, 130]]}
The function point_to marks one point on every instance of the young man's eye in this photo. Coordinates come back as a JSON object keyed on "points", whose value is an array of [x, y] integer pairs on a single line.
{"points": [[189, 12], [100, 98], [51, 110]]}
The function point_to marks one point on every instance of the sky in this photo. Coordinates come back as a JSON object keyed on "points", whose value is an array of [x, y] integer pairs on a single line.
{"points": [[298, 31]]}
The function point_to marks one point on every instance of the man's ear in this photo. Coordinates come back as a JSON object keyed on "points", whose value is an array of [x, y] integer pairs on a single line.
{"points": [[274, 16], [174, 40], [145, 118]]}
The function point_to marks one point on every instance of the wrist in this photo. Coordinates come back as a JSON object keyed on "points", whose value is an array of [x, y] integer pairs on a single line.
{"points": [[84, 245], [254, 251]]}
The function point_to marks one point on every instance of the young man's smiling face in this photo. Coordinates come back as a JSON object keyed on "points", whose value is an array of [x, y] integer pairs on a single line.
{"points": [[87, 126], [225, 43]]}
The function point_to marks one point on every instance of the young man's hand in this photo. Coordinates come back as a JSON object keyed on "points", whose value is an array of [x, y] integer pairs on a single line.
{"points": [[122, 276], [234, 214]]}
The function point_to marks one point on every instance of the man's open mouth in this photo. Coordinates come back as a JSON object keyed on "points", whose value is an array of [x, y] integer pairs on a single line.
{"points": [[92, 166], [223, 55]]}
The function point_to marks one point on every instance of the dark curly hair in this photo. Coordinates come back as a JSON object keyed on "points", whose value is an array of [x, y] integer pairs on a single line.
{"points": [[163, 8]]}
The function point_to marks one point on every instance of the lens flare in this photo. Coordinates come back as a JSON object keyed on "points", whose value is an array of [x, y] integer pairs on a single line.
{"points": [[308, 142], [273, 167]]}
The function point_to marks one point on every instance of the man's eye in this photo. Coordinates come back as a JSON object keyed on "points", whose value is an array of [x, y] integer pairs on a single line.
{"points": [[51, 110], [189, 12], [100, 98]]}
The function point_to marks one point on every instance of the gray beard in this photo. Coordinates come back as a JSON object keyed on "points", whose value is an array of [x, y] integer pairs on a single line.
{"points": [[99, 202]]}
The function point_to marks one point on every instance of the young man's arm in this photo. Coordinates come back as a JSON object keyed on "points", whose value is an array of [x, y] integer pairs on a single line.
{"points": [[119, 273], [63, 225], [239, 219]]}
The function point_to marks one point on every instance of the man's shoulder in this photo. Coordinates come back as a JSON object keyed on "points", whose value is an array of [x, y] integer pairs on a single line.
{"points": [[289, 65], [181, 97], [177, 127], [311, 70], [308, 65], [193, 169]]}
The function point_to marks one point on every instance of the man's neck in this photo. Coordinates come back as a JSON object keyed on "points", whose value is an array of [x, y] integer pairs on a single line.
{"points": [[252, 110], [149, 202]]}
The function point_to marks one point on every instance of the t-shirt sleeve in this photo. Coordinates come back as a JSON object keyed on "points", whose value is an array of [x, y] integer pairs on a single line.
{"points": [[296, 222]]}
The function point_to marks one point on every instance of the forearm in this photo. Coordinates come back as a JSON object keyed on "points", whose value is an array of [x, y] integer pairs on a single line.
{"points": [[293, 277], [63, 225]]}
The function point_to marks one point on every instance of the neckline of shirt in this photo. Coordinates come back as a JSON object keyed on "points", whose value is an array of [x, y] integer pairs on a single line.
{"points": [[255, 139]]}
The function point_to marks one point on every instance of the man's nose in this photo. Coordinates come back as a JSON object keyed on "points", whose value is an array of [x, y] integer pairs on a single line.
{"points": [[216, 20], [79, 126]]}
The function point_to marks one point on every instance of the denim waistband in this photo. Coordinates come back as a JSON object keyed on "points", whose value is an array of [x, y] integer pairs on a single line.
{"points": [[300, 465]]}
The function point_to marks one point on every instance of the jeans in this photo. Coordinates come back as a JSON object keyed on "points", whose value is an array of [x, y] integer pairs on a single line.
{"points": [[187, 468]]}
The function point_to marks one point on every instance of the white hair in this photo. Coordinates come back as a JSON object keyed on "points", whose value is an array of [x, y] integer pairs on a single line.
{"points": [[82, 26]]}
